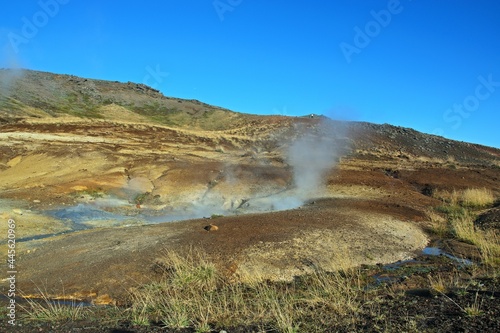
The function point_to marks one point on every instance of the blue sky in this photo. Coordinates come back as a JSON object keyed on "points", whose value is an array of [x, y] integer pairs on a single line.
{"points": [[430, 65]]}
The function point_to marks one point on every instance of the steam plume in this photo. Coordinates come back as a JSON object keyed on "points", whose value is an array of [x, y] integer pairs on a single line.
{"points": [[311, 156]]}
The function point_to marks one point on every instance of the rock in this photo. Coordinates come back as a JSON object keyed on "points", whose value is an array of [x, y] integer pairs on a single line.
{"points": [[211, 227], [17, 211]]}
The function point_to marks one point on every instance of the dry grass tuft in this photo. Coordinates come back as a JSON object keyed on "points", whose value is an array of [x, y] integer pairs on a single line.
{"points": [[438, 224], [438, 284], [192, 293], [474, 309], [488, 241], [47, 309], [473, 198], [476, 197], [459, 209]]}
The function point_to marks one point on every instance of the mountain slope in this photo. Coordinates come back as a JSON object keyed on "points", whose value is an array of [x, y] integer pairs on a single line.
{"points": [[40, 94], [28, 94]]}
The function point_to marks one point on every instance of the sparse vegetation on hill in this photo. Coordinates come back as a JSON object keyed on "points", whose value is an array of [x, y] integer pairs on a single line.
{"points": [[39, 94], [32, 94]]}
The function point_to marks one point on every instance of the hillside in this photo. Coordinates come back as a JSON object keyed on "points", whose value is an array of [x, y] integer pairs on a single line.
{"points": [[40, 94], [92, 171], [31, 94]]}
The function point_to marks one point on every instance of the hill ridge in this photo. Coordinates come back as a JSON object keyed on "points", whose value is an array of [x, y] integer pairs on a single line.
{"points": [[29, 95]]}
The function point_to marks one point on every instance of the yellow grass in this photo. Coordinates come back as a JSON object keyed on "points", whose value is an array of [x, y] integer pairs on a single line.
{"points": [[459, 209], [476, 197], [487, 241], [472, 197], [435, 160], [193, 293], [47, 309], [438, 284], [438, 224]]}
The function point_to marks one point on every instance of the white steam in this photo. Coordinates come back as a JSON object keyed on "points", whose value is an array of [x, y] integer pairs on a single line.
{"points": [[8, 77], [311, 156]]}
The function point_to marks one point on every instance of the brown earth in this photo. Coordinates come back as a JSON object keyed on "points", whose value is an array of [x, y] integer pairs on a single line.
{"points": [[373, 206], [274, 246]]}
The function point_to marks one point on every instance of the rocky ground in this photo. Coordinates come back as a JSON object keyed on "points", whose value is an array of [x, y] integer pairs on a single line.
{"points": [[95, 198]]}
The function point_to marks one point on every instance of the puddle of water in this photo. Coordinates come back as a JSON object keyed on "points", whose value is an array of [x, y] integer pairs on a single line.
{"points": [[389, 274], [120, 211], [435, 251], [396, 265], [396, 272], [432, 251], [82, 213], [84, 216]]}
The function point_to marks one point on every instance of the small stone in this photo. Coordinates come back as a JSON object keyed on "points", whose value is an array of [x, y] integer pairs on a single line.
{"points": [[36, 201], [17, 211], [211, 227]]}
